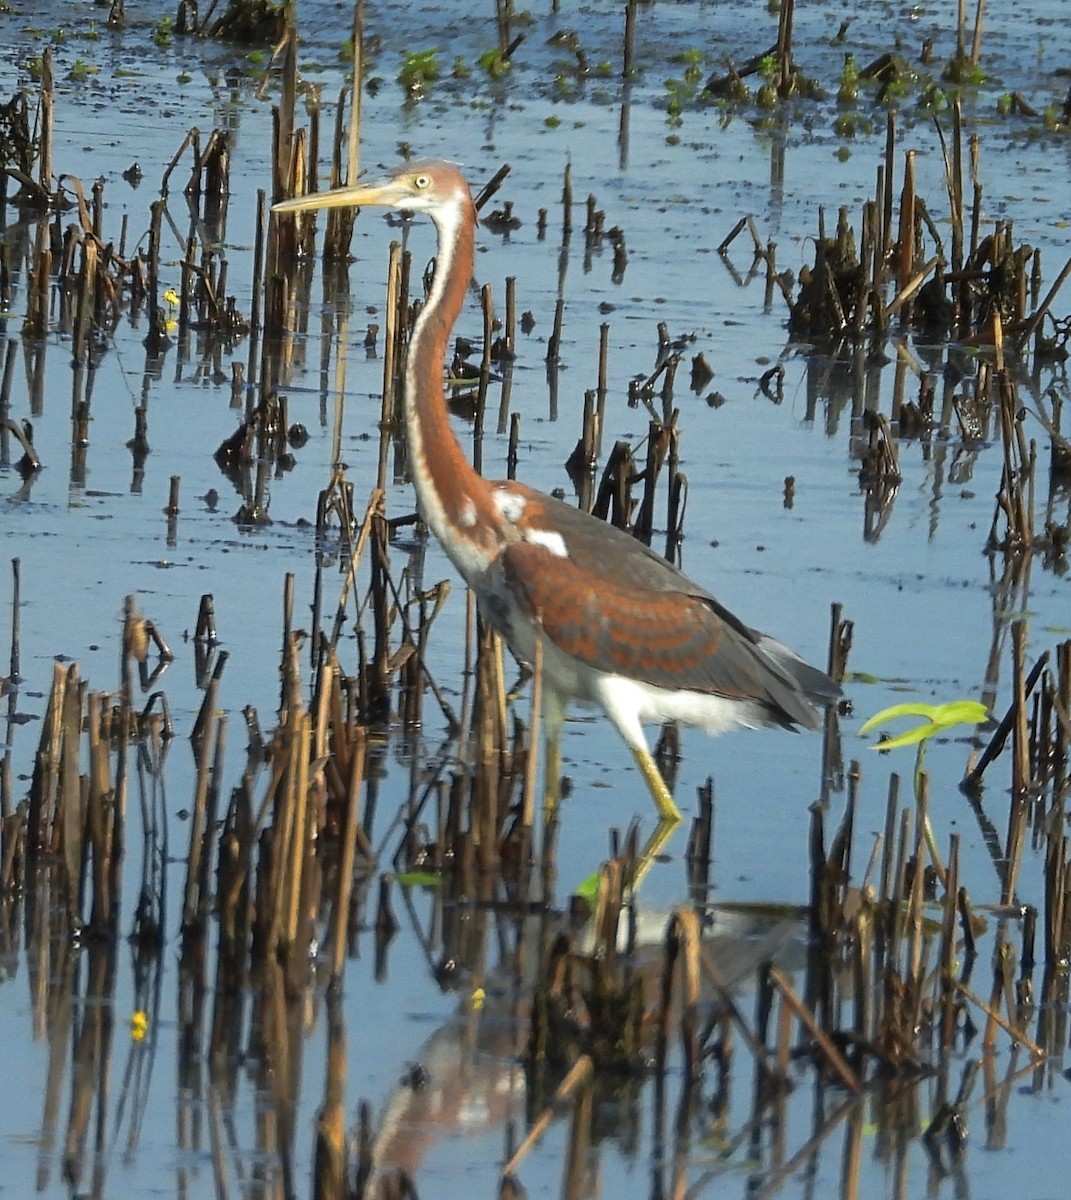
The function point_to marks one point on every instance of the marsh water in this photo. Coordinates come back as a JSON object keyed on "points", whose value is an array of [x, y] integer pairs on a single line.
{"points": [[932, 610]]}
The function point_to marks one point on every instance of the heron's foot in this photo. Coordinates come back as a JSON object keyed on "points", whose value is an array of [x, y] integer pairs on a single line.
{"points": [[520, 684]]}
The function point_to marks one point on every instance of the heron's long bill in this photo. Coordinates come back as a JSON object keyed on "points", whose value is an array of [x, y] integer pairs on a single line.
{"points": [[382, 191]]}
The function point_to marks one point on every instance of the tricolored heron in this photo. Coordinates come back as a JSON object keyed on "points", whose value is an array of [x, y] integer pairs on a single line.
{"points": [[618, 626]]}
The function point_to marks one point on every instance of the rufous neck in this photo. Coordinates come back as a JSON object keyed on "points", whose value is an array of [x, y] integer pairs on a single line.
{"points": [[454, 498]]}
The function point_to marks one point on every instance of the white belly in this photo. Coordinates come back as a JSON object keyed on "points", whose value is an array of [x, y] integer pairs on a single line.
{"points": [[629, 703]]}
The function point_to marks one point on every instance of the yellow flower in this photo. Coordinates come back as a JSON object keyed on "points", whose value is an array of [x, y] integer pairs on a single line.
{"points": [[139, 1025]]}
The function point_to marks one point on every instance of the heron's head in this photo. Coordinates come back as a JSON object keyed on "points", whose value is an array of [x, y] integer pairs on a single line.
{"points": [[427, 186]]}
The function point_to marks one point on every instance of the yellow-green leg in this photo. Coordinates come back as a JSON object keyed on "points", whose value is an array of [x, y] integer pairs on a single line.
{"points": [[669, 815], [656, 785]]}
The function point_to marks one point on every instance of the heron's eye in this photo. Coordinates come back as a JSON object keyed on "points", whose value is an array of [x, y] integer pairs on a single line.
{"points": [[421, 182]]}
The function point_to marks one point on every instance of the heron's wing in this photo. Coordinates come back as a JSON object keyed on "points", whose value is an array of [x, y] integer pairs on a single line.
{"points": [[607, 552], [671, 639]]}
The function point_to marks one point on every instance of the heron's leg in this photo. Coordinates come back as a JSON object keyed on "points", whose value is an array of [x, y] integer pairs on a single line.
{"points": [[625, 716], [656, 785]]}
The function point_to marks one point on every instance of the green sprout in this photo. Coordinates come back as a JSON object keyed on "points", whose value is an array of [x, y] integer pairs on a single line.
{"points": [[494, 62], [693, 60], [81, 70], [766, 96], [848, 91], [937, 719], [676, 95], [845, 125], [960, 69], [934, 97], [418, 69], [162, 33]]}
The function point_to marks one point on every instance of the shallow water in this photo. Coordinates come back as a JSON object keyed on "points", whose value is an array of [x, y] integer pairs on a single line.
{"points": [[921, 595]]}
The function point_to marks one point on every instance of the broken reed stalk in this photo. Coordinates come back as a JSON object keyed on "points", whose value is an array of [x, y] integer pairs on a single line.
{"points": [[46, 106], [351, 828], [804, 1015], [976, 40], [785, 16], [658, 438], [1004, 728], [1021, 777], [905, 246], [1033, 325], [531, 773], [509, 338], [578, 1079], [194, 912], [491, 777], [104, 908], [576, 1169], [76, 819], [681, 945], [1013, 499], [947, 951], [15, 657], [892, 806], [353, 156], [35, 323], [995, 1018], [331, 1155], [1057, 932], [289, 159], [567, 201], [554, 341], [393, 347], [628, 57], [512, 455], [698, 855]]}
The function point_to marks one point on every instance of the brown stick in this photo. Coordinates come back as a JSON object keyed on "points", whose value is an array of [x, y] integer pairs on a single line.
{"points": [[836, 1059], [579, 1076]]}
